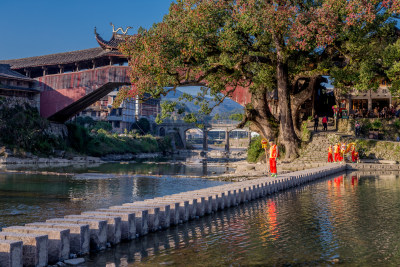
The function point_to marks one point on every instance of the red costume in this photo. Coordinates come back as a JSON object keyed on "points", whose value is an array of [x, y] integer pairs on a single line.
{"points": [[273, 154], [354, 156], [336, 151], [330, 156]]}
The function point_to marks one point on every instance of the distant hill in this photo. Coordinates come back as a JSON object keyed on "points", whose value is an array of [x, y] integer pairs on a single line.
{"points": [[225, 109]]}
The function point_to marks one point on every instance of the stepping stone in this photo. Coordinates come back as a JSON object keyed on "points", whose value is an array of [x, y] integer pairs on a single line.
{"points": [[10, 253], [97, 230], [79, 235], [153, 219], [34, 248], [141, 218], [128, 222], [164, 213], [113, 225], [58, 240]]}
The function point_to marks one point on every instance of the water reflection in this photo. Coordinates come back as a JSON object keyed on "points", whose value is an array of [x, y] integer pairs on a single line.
{"points": [[350, 220], [194, 167], [32, 198]]}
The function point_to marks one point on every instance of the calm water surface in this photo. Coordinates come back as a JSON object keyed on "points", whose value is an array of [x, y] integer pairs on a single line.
{"points": [[26, 198], [349, 220]]}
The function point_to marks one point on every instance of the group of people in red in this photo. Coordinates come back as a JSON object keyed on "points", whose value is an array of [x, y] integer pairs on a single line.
{"points": [[338, 152]]}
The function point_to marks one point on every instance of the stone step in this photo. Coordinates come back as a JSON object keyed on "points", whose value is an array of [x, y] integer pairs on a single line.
{"points": [[153, 219], [11, 253], [58, 240], [34, 247], [141, 218], [78, 234], [97, 230], [113, 225], [128, 222], [164, 212]]}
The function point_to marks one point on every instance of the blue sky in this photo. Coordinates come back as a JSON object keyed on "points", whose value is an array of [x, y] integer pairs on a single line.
{"points": [[40, 27]]}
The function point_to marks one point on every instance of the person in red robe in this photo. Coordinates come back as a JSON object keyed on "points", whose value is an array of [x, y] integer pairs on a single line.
{"points": [[336, 151], [330, 155], [354, 155], [273, 155]]}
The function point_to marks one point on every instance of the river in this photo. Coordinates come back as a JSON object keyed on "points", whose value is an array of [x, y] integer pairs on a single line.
{"points": [[349, 219], [27, 197]]}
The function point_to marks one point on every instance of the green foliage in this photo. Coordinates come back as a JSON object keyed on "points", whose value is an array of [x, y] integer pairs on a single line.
{"points": [[255, 151], [78, 137], [234, 44], [396, 124], [142, 126], [366, 126], [123, 93], [91, 124], [236, 117], [85, 121], [101, 125], [377, 124], [305, 132], [101, 142], [22, 128]]}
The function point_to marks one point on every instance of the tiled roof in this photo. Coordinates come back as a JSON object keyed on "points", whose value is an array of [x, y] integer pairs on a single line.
{"points": [[107, 48], [115, 40], [6, 72], [60, 58]]}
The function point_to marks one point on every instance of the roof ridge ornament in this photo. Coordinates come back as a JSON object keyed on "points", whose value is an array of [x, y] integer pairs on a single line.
{"points": [[120, 29]]}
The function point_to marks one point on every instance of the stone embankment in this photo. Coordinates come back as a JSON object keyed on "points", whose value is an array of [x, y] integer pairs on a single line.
{"points": [[59, 239], [39, 160], [29, 159]]}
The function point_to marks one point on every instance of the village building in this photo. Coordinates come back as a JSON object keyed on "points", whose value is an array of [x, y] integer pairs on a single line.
{"points": [[17, 88], [352, 104], [65, 78], [362, 103]]}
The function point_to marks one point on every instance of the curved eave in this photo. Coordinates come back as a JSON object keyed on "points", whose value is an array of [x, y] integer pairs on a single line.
{"points": [[105, 44]]}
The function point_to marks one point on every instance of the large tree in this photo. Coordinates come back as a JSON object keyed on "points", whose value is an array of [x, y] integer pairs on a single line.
{"points": [[266, 46]]}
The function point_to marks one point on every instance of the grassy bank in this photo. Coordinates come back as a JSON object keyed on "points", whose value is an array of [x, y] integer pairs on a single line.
{"points": [[23, 130], [100, 142]]}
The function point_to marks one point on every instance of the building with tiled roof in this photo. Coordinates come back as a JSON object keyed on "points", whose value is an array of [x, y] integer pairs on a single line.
{"points": [[17, 88], [106, 54], [67, 78]]}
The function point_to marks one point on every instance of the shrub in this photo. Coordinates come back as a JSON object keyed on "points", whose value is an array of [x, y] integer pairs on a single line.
{"points": [[85, 121], [22, 128], [365, 126], [101, 125], [396, 124], [305, 132], [142, 126], [377, 124], [78, 137], [255, 151]]}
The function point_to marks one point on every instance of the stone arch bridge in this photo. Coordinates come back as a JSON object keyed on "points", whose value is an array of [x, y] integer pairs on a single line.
{"points": [[178, 130]]}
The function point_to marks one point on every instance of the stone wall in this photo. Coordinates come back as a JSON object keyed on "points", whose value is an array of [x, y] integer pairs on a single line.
{"points": [[12, 101], [57, 129], [345, 126], [369, 148]]}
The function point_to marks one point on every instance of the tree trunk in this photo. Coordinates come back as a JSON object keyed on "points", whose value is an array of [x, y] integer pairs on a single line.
{"points": [[261, 117], [298, 99], [286, 130]]}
